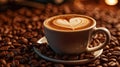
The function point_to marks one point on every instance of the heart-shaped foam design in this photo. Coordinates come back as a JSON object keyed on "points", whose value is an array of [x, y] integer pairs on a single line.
{"points": [[73, 23]]}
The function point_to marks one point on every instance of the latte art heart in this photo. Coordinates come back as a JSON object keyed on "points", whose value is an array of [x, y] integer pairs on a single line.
{"points": [[73, 23]]}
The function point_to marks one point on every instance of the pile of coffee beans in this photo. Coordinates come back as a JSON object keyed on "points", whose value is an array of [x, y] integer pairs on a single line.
{"points": [[20, 28]]}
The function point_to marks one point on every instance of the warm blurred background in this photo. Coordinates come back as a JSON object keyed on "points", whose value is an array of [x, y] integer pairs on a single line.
{"points": [[21, 27]]}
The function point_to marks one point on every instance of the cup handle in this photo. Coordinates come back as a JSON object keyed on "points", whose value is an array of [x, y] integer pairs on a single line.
{"points": [[101, 45]]}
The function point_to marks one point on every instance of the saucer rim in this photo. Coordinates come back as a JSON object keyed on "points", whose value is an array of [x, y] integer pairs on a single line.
{"points": [[71, 62]]}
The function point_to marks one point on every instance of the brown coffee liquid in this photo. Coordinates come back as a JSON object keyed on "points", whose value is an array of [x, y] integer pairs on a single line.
{"points": [[50, 24]]}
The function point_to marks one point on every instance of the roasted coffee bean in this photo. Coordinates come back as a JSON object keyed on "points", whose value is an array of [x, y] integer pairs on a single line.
{"points": [[109, 54], [10, 54], [27, 65], [99, 66], [112, 59], [89, 56], [97, 62], [73, 57], [113, 56], [24, 40], [103, 56], [16, 51], [104, 59], [2, 61], [18, 57], [118, 59], [15, 44], [21, 65], [67, 9], [35, 18], [117, 53], [58, 65], [105, 65], [15, 62], [112, 64], [3, 53], [33, 40], [7, 65], [43, 65], [4, 48], [32, 61], [22, 61], [117, 48], [21, 27], [1, 65], [91, 65]]}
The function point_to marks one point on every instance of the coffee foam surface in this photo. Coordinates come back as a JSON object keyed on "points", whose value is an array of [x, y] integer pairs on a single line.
{"points": [[72, 23]]}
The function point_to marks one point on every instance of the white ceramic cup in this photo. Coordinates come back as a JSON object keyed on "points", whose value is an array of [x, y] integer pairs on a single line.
{"points": [[74, 42]]}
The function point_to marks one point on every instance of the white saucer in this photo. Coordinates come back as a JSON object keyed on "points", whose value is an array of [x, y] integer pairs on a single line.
{"points": [[83, 61]]}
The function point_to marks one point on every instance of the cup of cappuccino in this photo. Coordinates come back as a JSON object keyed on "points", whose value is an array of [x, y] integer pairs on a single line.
{"points": [[72, 33]]}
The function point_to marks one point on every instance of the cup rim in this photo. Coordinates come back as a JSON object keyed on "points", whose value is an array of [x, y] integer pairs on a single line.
{"points": [[49, 19]]}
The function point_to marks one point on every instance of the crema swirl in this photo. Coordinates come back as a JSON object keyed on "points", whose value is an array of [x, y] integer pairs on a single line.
{"points": [[69, 23]]}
